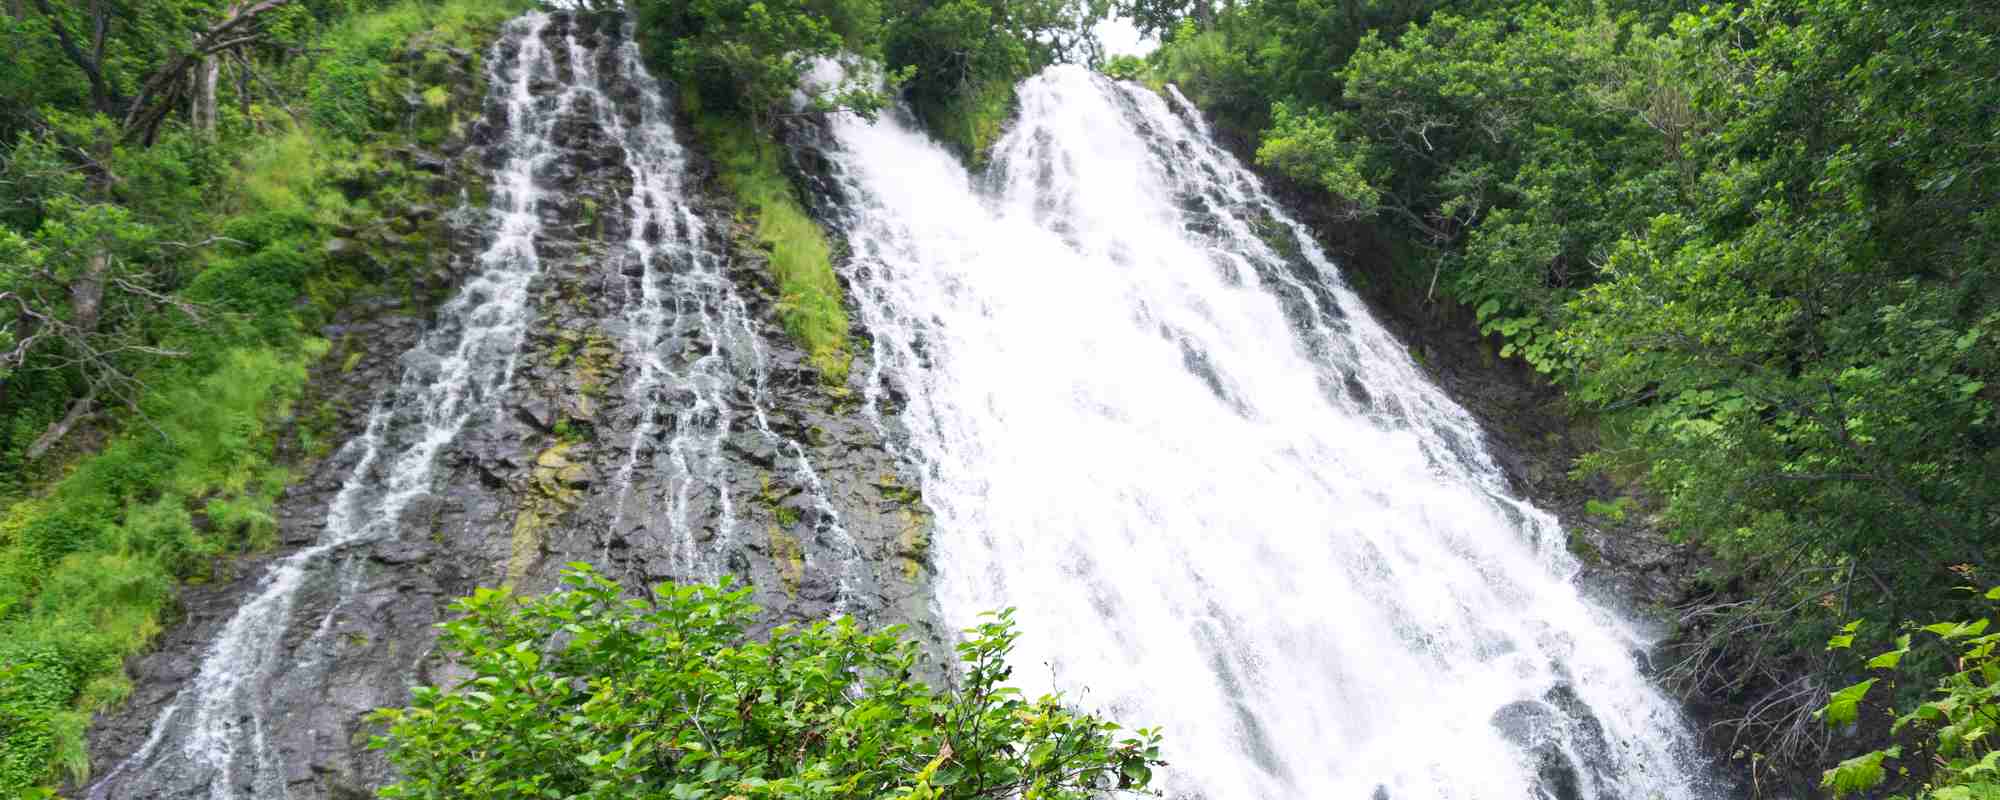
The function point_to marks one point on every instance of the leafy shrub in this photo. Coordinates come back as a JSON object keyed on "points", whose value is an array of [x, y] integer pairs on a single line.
{"points": [[586, 693], [1951, 754]]}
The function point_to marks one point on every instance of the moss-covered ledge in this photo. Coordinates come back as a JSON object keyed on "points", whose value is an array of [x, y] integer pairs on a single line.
{"points": [[810, 301]]}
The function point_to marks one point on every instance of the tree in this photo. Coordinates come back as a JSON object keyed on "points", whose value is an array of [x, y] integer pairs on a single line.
{"points": [[747, 57], [140, 59], [587, 693]]}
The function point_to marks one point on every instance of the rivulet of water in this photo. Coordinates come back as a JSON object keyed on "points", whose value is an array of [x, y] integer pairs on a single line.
{"points": [[1224, 500], [702, 366], [212, 740]]}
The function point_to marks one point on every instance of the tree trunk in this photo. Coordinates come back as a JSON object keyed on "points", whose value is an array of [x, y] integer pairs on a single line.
{"points": [[78, 412], [102, 96], [157, 95], [210, 73], [86, 293]]}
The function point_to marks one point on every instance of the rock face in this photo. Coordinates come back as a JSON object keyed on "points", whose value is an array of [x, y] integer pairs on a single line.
{"points": [[657, 423]]}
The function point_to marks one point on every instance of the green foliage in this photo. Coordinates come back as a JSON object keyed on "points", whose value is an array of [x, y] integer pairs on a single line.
{"points": [[355, 88], [955, 61], [1952, 752], [587, 693], [964, 57], [809, 294], [1798, 358], [964, 69], [971, 119], [90, 565], [1127, 68], [1216, 74], [1755, 239], [746, 57], [1507, 145]]}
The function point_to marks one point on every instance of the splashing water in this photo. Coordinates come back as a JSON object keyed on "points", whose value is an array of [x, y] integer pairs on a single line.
{"points": [[1150, 416]]}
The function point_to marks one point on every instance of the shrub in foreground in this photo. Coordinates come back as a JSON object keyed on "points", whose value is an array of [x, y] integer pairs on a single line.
{"points": [[589, 693]]}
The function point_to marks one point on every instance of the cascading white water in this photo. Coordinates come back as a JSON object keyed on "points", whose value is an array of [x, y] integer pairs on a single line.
{"points": [[681, 303], [701, 364], [212, 739], [1222, 497]]}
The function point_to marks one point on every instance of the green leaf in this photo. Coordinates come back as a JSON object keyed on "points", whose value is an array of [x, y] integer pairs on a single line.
{"points": [[1890, 659], [1859, 773], [1842, 707], [1957, 630]]}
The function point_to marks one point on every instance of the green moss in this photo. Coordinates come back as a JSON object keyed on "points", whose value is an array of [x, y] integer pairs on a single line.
{"points": [[525, 550], [971, 121], [913, 544], [789, 556], [913, 538], [1583, 549], [801, 260], [573, 431], [557, 488]]}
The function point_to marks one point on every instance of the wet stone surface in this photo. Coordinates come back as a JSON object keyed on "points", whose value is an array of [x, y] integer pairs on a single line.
{"points": [[658, 425]]}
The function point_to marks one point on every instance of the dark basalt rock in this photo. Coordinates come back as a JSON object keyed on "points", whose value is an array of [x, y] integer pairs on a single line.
{"points": [[1558, 733]]}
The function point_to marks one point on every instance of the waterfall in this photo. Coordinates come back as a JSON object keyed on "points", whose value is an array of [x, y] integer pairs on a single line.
{"points": [[1149, 415], [1143, 407], [213, 739], [702, 370]]}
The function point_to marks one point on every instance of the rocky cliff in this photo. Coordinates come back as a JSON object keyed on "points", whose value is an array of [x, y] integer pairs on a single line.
{"points": [[657, 424]]}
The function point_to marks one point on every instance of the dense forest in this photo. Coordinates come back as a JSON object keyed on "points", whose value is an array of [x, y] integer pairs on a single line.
{"points": [[1753, 244]]}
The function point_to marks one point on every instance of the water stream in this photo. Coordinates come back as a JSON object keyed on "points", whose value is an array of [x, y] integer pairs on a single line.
{"points": [[1149, 415]]}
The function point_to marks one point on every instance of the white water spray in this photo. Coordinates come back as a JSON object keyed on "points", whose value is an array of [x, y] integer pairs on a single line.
{"points": [[1222, 497]]}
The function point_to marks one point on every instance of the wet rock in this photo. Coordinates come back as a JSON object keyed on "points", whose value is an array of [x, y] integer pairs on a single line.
{"points": [[401, 552], [577, 461], [1526, 723]]}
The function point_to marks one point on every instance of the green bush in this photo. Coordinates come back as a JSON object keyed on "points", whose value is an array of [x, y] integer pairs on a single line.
{"points": [[587, 693], [354, 89], [1949, 750], [86, 569]]}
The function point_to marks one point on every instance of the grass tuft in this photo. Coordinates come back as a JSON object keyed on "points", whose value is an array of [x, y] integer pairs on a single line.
{"points": [[809, 293]]}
